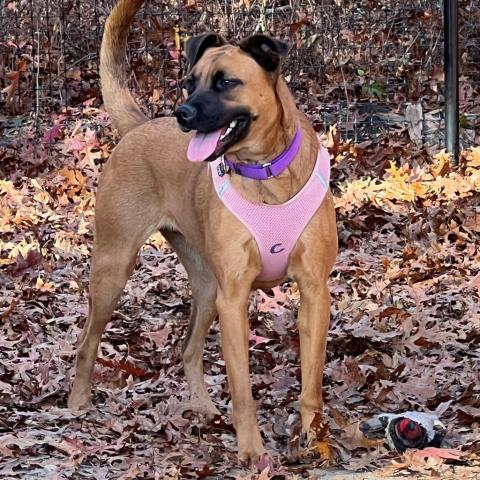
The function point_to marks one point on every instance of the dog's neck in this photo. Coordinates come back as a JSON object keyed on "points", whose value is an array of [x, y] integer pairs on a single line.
{"points": [[276, 137]]}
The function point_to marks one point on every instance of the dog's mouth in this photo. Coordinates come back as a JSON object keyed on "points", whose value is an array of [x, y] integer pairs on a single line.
{"points": [[206, 147]]}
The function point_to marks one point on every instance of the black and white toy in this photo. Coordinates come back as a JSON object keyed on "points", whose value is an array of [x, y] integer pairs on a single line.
{"points": [[405, 430]]}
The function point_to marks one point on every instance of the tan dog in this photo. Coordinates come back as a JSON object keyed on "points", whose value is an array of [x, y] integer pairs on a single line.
{"points": [[148, 185]]}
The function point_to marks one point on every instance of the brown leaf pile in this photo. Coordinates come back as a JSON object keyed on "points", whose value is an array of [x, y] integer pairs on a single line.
{"points": [[404, 331]]}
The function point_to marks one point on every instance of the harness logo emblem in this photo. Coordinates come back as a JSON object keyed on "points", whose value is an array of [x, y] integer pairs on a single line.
{"points": [[275, 248]]}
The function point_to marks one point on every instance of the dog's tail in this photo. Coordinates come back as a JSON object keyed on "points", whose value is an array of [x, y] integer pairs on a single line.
{"points": [[119, 102]]}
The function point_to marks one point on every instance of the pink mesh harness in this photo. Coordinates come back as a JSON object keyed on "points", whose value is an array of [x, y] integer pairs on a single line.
{"points": [[276, 228]]}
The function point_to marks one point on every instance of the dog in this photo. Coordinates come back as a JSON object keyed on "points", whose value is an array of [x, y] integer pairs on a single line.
{"points": [[239, 118]]}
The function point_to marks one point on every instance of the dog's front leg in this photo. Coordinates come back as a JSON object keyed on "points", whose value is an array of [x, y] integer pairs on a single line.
{"points": [[313, 322], [232, 305]]}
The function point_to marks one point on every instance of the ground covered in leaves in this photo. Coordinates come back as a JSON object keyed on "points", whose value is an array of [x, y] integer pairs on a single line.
{"points": [[404, 331]]}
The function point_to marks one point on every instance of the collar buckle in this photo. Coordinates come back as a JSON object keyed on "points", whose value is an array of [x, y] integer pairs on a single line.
{"points": [[268, 170], [222, 168]]}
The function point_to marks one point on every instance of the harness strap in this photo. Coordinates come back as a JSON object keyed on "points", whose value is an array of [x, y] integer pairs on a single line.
{"points": [[276, 228]]}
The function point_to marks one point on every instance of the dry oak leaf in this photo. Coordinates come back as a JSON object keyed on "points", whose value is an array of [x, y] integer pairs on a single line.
{"points": [[442, 164], [158, 337], [324, 450], [421, 460], [473, 160], [433, 452], [14, 78]]}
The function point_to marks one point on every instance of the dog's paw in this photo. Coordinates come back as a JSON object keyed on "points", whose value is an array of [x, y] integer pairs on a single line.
{"points": [[252, 453], [265, 461], [77, 403], [308, 438], [255, 459], [203, 406]]}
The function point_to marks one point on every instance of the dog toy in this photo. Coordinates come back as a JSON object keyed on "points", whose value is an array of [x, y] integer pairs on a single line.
{"points": [[405, 430]]}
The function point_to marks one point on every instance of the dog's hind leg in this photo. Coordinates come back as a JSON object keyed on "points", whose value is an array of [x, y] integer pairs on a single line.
{"points": [[204, 288], [120, 232]]}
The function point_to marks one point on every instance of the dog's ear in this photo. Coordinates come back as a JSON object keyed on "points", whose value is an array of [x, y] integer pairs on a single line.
{"points": [[266, 51], [196, 46]]}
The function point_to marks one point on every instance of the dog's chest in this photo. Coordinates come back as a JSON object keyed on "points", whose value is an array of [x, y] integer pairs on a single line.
{"points": [[276, 228]]}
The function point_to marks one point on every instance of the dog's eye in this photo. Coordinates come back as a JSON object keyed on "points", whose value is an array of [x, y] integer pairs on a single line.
{"points": [[226, 83]]}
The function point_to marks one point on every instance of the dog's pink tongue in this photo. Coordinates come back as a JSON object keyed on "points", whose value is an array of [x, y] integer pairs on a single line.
{"points": [[202, 145]]}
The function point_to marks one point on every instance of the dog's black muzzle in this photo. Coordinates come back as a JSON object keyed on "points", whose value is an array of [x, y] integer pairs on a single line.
{"points": [[186, 115]]}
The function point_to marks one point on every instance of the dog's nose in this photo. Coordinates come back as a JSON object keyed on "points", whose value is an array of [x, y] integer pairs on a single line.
{"points": [[185, 115]]}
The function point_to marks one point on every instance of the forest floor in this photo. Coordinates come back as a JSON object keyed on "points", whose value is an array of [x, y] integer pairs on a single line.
{"points": [[404, 334]]}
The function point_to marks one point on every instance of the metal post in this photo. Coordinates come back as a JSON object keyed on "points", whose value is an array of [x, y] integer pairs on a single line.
{"points": [[450, 18]]}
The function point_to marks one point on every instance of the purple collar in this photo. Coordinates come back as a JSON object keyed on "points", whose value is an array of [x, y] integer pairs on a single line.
{"points": [[264, 171]]}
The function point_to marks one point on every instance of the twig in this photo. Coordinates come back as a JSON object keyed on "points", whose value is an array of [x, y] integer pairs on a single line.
{"points": [[37, 75], [283, 8], [90, 56], [60, 58], [412, 43], [344, 80]]}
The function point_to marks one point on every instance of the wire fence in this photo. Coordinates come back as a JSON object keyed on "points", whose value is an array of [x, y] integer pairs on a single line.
{"points": [[373, 68]]}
